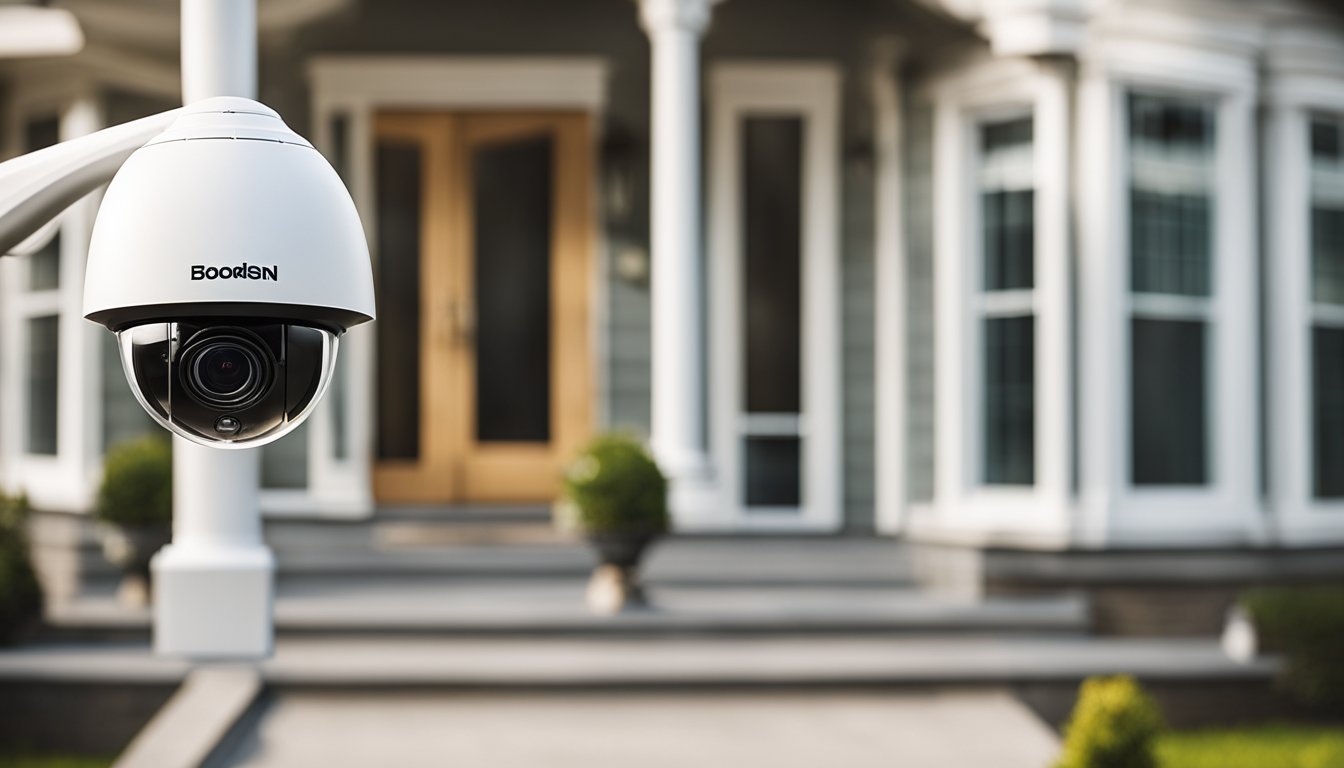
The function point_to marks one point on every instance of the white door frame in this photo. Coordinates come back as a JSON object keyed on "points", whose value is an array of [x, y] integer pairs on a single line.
{"points": [[356, 88], [810, 91]]}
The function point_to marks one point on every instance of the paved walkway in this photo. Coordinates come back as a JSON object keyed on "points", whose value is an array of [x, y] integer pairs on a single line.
{"points": [[963, 729]]}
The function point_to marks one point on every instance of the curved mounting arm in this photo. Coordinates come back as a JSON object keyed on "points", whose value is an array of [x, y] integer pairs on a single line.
{"points": [[36, 187]]}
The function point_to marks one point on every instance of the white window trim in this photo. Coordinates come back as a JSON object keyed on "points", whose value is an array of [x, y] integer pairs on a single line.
{"points": [[1115, 511], [67, 479], [965, 508], [358, 87], [810, 91], [1292, 99], [74, 88]]}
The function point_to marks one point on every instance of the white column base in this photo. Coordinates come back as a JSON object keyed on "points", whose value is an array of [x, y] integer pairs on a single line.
{"points": [[213, 603], [693, 498]]}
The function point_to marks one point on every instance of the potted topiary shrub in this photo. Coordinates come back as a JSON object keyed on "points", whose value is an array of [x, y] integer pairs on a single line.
{"points": [[136, 503], [616, 497], [20, 594]]}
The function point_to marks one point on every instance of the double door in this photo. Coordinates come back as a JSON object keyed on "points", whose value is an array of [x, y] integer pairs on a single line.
{"points": [[484, 246]]}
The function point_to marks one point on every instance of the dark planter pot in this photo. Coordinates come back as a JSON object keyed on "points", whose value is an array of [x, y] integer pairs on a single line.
{"points": [[622, 549]]}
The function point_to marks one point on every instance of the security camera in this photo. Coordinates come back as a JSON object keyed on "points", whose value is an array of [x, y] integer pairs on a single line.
{"points": [[228, 258]]}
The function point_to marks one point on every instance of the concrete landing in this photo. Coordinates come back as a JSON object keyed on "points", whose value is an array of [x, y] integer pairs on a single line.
{"points": [[961, 729]]}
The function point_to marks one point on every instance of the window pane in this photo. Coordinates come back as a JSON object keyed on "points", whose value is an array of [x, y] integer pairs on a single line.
{"points": [[772, 472], [1168, 430], [398, 325], [512, 193], [1327, 140], [339, 157], [1327, 255], [1007, 204], [1328, 411], [1171, 182], [1327, 211], [43, 354], [772, 225], [1010, 401], [44, 266], [123, 418]]}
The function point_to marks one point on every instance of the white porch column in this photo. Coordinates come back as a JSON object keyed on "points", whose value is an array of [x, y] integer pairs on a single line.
{"points": [[678, 434], [212, 584]]}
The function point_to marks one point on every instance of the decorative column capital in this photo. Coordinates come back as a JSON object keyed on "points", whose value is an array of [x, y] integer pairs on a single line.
{"points": [[674, 15]]}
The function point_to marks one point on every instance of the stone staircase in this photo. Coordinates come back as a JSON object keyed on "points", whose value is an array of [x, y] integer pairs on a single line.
{"points": [[507, 572]]}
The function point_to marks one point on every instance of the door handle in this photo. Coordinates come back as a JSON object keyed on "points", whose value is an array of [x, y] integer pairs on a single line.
{"points": [[443, 316], [462, 321]]}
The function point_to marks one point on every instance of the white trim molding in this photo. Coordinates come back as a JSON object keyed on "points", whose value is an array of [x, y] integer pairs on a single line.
{"points": [[964, 505], [67, 479], [458, 82], [889, 286], [811, 92], [1305, 78], [1215, 65], [354, 88]]}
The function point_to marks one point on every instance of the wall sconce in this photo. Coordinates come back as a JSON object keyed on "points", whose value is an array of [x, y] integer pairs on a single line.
{"points": [[631, 263], [621, 157]]}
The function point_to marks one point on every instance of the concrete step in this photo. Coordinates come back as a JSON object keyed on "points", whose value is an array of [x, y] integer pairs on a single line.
{"points": [[412, 542], [448, 607], [411, 663]]}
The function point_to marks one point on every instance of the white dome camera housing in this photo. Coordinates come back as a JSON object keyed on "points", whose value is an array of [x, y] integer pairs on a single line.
{"points": [[228, 258]]}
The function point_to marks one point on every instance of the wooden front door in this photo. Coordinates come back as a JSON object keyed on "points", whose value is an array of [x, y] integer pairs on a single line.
{"points": [[484, 246]]}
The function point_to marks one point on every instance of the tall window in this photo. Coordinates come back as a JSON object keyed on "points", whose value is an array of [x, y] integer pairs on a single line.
{"points": [[41, 326], [1005, 303], [1171, 142], [1327, 305], [772, 193]]}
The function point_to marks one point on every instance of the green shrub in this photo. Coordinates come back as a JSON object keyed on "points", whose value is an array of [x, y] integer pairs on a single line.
{"points": [[1305, 624], [614, 486], [20, 595], [137, 489], [1114, 725]]}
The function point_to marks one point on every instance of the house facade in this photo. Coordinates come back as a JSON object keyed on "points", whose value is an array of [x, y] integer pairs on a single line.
{"points": [[1042, 275]]}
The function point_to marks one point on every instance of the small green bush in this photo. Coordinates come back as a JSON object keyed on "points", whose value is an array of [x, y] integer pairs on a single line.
{"points": [[614, 486], [1306, 624], [20, 595], [1115, 724], [137, 489]]}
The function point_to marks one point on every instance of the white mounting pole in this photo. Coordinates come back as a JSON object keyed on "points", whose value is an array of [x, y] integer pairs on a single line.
{"points": [[213, 583]]}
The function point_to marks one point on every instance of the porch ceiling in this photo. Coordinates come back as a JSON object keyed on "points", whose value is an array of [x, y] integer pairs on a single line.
{"points": [[153, 25]]}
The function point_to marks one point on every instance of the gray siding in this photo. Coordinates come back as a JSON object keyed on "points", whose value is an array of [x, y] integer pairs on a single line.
{"points": [[857, 299], [919, 434]]}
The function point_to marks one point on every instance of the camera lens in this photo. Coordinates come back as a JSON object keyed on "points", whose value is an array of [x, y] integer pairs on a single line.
{"points": [[226, 371]]}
